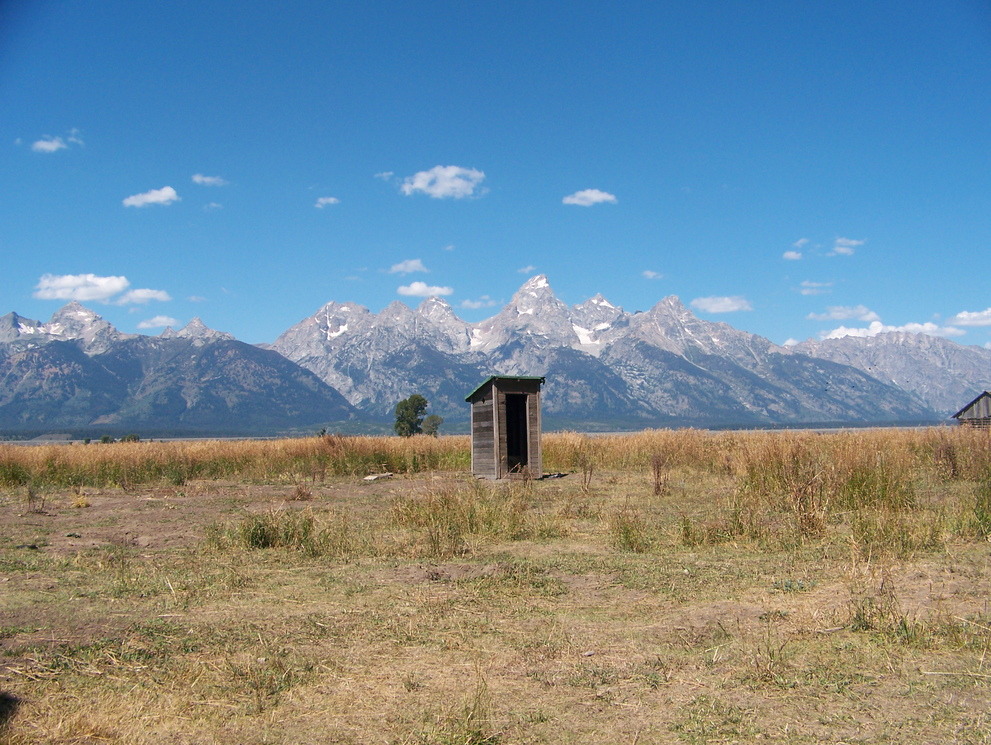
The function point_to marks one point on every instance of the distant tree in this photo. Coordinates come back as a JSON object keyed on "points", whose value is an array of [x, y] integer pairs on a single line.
{"points": [[130, 438], [409, 415], [431, 425], [106, 439]]}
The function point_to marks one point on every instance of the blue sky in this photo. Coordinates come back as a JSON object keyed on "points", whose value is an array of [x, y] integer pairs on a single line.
{"points": [[789, 168]]}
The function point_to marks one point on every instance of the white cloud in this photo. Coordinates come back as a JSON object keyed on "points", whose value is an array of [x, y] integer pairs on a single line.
{"points": [[792, 255], [444, 182], [140, 297], [82, 287], [790, 342], [483, 302], [876, 327], [800, 242], [87, 287], [385, 175], [324, 201], [972, 318], [407, 267], [196, 299], [529, 268], [650, 274], [158, 322], [422, 289], [845, 246], [588, 197], [844, 313], [721, 304], [449, 247], [212, 206], [165, 195], [815, 288], [199, 178], [49, 144]]}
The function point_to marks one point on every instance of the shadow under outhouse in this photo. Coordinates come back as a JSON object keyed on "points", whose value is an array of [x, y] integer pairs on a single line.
{"points": [[505, 428]]}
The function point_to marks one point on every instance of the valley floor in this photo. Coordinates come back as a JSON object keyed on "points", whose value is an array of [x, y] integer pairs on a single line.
{"points": [[431, 608]]}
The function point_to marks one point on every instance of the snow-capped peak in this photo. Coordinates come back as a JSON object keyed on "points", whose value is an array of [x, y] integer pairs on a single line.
{"points": [[535, 283]]}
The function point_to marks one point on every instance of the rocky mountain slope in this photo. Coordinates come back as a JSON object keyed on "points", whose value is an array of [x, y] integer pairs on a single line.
{"points": [[78, 372], [940, 373], [602, 364]]}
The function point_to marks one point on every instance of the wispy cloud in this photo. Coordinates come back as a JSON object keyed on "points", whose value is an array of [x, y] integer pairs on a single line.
{"points": [[50, 144], [483, 302], [588, 197], [325, 201], [815, 288], [158, 322], [845, 313], [407, 267], [792, 255], [800, 243], [449, 247], [845, 246], [876, 327], [972, 318], [385, 175], [721, 304], [422, 289], [651, 274], [165, 195], [528, 269], [444, 182], [199, 178], [143, 296]]}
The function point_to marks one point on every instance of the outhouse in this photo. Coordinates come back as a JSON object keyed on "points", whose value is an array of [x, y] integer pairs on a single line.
{"points": [[977, 413], [505, 427]]}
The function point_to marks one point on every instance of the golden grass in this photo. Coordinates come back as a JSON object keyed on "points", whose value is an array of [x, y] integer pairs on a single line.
{"points": [[947, 453]]}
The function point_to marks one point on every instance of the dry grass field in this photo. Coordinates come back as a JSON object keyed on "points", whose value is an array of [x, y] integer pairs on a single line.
{"points": [[672, 587]]}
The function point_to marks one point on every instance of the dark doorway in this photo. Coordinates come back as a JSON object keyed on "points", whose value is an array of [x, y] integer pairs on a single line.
{"points": [[516, 431]]}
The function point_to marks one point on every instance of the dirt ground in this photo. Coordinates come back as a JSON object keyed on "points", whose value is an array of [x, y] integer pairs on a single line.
{"points": [[118, 599]]}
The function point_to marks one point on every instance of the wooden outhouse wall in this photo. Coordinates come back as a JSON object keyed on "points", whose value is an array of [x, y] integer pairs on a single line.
{"points": [[483, 459], [505, 411]]}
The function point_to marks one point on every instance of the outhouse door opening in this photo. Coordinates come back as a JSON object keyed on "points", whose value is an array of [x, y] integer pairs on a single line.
{"points": [[517, 446]]}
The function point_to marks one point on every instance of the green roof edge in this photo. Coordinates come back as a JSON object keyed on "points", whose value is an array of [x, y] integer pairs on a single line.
{"points": [[489, 379]]}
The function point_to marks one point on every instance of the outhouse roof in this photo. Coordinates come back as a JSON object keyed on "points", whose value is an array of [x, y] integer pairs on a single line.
{"points": [[492, 378]]}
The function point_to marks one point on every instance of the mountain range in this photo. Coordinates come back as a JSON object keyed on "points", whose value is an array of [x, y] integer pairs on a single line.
{"points": [[605, 368], [77, 372]]}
